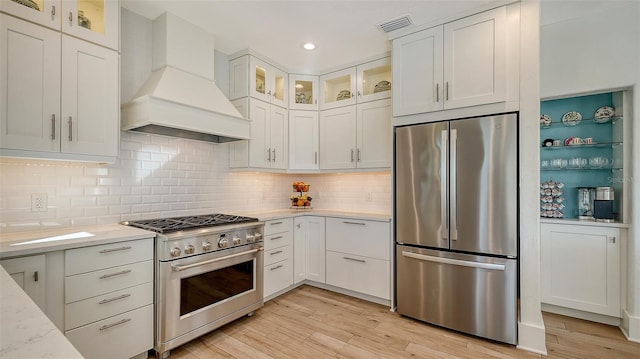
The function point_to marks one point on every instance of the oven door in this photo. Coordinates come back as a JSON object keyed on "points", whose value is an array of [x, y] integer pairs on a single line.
{"points": [[197, 294]]}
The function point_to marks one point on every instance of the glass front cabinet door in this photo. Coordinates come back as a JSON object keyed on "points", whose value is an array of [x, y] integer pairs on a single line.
{"points": [[338, 89], [96, 21], [304, 90], [267, 82], [374, 80]]}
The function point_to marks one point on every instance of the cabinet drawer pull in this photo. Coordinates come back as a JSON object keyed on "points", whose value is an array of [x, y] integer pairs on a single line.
{"points": [[277, 237], [356, 223], [115, 249], [105, 327], [115, 274], [53, 126], [274, 223], [355, 259], [276, 252], [277, 267], [105, 301]]}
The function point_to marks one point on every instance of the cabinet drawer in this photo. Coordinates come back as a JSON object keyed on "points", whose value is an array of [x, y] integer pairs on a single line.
{"points": [[277, 226], [92, 258], [104, 306], [359, 274], [90, 284], [121, 336], [364, 238], [278, 276], [277, 255], [278, 240]]}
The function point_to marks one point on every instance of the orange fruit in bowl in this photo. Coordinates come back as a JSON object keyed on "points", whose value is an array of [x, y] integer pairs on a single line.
{"points": [[300, 202]]}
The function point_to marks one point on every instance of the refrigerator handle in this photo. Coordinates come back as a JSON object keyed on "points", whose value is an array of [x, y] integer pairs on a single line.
{"points": [[453, 188], [455, 262], [443, 184]]}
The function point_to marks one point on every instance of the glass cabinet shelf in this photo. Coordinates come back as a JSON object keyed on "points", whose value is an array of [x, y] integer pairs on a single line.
{"points": [[583, 122], [573, 147], [581, 169]]}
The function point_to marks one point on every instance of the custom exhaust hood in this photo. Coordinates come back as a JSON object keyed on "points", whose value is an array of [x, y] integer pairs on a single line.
{"points": [[180, 98]]}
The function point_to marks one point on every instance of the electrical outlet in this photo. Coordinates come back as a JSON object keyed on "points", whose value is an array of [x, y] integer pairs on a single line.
{"points": [[38, 202], [369, 197]]}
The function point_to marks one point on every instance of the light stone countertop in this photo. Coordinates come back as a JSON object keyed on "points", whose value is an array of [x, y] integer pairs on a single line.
{"points": [[25, 331], [34, 242], [285, 213]]}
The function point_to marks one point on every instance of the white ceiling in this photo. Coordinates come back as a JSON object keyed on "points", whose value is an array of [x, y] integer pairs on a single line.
{"points": [[344, 31]]}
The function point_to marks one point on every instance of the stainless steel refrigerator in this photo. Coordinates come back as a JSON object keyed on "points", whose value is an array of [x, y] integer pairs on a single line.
{"points": [[456, 224]]}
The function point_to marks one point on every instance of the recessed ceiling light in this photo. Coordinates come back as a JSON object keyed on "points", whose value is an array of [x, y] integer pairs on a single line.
{"points": [[309, 46]]}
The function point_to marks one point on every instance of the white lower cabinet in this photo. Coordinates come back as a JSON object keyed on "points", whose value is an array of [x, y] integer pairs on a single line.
{"points": [[109, 299], [278, 255], [580, 267], [309, 249], [30, 274], [358, 256]]}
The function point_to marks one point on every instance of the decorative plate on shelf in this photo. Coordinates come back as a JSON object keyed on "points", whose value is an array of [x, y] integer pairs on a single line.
{"points": [[545, 120], [571, 118], [28, 3], [603, 114]]}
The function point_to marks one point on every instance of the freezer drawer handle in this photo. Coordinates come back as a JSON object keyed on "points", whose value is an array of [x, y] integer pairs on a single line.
{"points": [[456, 262]]}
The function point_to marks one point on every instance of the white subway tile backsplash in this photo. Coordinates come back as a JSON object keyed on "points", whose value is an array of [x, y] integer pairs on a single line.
{"points": [[159, 176]]}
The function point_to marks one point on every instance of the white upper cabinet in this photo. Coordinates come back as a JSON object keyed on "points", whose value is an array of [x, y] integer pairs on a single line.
{"points": [[97, 21], [59, 95], [366, 82], [374, 80], [418, 72], [250, 76], [268, 144], [89, 122], [459, 64], [304, 92], [357, 136], [338, 89], [303, 140]]}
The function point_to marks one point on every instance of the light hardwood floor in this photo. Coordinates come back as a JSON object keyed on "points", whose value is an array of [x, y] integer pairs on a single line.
{"points": [[309, 322]]}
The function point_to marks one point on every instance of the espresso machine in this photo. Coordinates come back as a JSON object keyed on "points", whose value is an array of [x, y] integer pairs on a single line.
{"points": [[603, 204]]}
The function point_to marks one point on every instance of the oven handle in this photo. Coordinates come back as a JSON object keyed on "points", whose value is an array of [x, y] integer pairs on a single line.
{"points": [[177, 268]]}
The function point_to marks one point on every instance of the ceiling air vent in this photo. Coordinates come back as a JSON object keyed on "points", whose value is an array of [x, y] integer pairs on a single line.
{"points": [[397, 23]]}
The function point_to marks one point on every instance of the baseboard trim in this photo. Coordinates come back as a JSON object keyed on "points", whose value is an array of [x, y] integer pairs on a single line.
{"points": [[630, 327], [532, 338], [594, 317]]}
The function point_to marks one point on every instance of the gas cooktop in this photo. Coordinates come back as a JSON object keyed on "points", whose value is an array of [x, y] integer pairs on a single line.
{"points": [[174, 224]]}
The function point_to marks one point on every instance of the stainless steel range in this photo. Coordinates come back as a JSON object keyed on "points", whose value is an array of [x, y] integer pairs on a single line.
{"points": [[208, 272]]}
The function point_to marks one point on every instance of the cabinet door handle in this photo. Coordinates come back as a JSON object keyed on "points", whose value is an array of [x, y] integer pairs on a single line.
{"points": [[70, 18], [274, 238], [276, 252], [438, 92], [355, 259], [612, 239], [274, 155], [274, 223], [53, 11], [316, 157], [268, 154], [35, 276], [358, 155], [115, 274], [299, 225], [358, 223], [446, 91], [70, 129], [352, 155], [277, 267], [105, 327], [53, 126], [105, 301], [115, 249], [359, 94]]}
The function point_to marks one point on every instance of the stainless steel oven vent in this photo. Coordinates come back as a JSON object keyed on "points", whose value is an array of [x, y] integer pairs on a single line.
{"points": [[397, 23]]}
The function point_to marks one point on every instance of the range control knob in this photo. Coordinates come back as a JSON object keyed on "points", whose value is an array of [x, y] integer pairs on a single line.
{"points": [[206, 246], [175, 251], [189, 249], [250, 237], [236, 240], [223, 243]]}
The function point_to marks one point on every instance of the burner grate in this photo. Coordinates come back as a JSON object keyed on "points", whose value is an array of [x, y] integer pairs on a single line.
{"points": [[174, 224]]}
